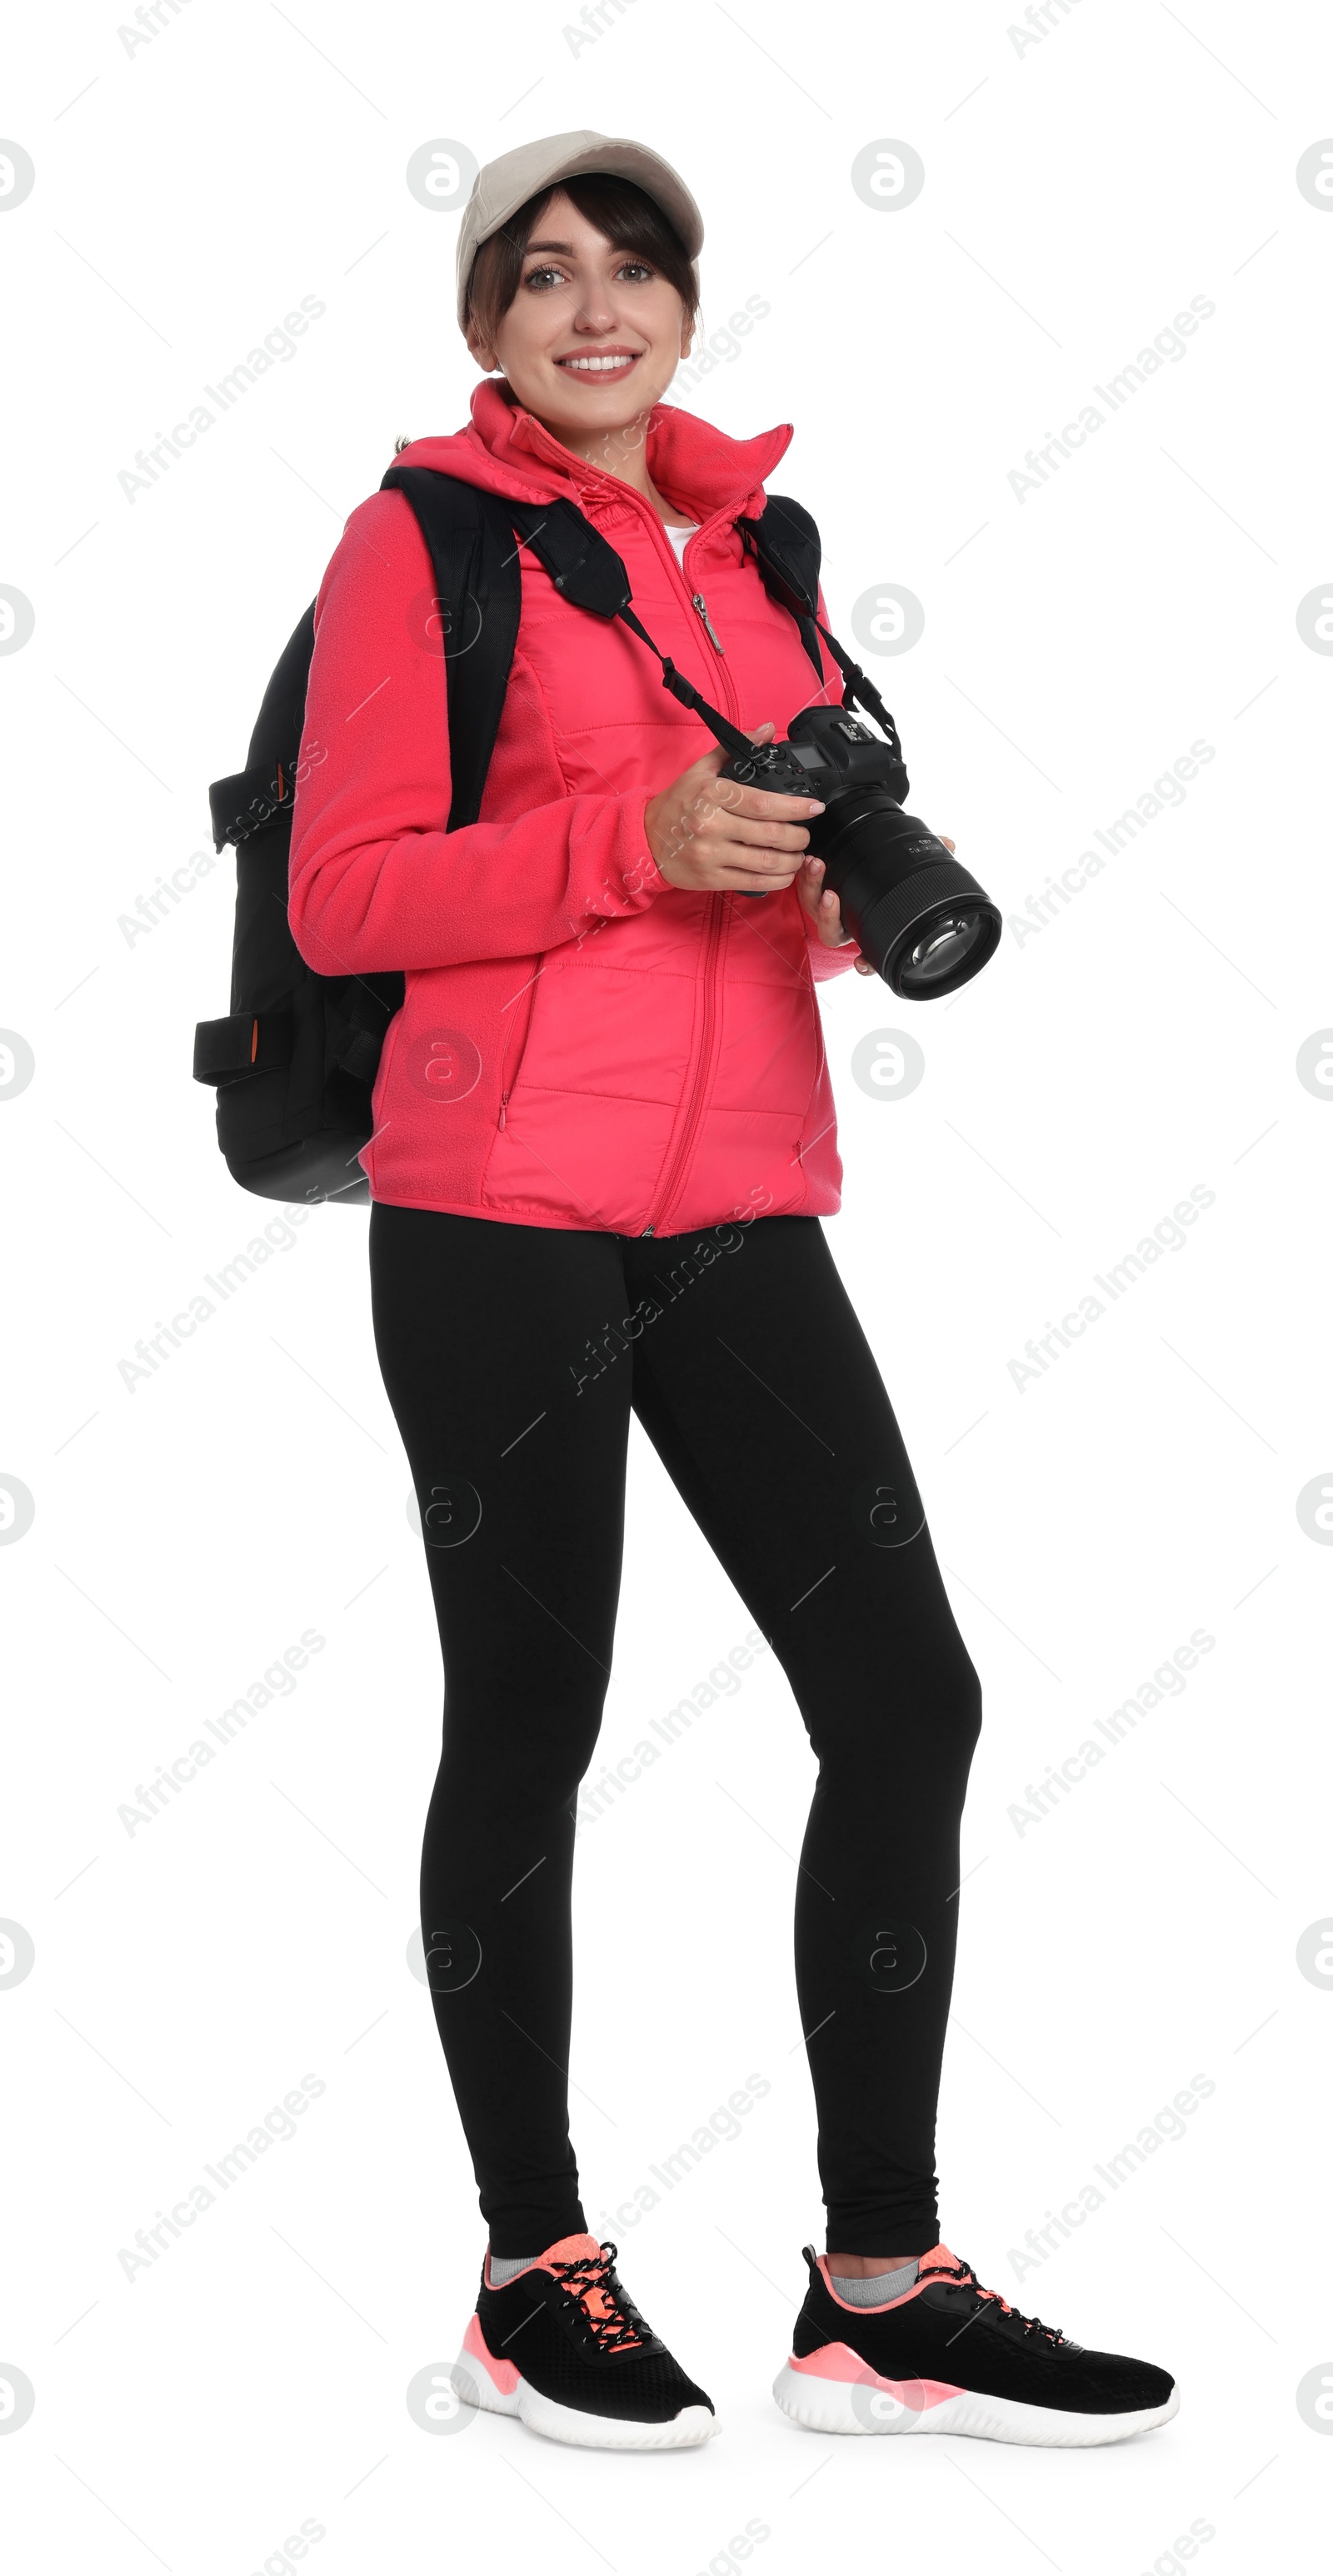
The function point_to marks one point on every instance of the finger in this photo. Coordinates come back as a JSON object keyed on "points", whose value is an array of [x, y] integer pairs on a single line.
{"points": [[823, 906], [819, 903], [864, 967], [764, 806], [756, 867], [808, 884], [741, 797], [732, 881], [735, 831], [948, 845], [829, 919]]}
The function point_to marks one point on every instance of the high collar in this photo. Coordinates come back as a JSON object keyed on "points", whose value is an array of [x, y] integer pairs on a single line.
{"points": [[505, 449]]}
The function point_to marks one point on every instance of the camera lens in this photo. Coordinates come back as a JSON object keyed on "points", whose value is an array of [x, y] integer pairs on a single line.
{"points": [[920, 917], [941, 951]]}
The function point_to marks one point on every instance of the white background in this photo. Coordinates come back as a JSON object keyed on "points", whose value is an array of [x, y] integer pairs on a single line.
{"points": [[1078, 194]]}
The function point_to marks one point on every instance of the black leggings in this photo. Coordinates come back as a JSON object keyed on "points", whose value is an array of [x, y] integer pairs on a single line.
{"points": [[513, 1356]]}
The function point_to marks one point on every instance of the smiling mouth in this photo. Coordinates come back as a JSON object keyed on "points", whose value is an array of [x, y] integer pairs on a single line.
{"points": [[595, 365]]}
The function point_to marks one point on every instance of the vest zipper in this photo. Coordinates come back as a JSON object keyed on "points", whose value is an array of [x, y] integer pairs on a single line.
{"points": [[713, 937], [525, 1023], [730, 698], [702, 606], [716, 905]]}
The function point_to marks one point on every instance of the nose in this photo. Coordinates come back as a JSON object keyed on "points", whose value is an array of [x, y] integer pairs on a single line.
{"points": [[595, 314]]}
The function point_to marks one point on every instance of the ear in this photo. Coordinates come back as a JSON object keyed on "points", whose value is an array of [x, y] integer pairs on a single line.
{"points": [[485, 356], [686, 341]]}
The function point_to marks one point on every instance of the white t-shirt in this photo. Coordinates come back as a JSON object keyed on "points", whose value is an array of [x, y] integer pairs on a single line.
{"points": [[680, 537]]}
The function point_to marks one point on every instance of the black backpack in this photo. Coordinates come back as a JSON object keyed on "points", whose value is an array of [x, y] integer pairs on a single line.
{"points": [[295, 1060]]}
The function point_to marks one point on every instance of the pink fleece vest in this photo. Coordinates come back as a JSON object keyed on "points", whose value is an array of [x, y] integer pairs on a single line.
{"points": [[581, 1043]]}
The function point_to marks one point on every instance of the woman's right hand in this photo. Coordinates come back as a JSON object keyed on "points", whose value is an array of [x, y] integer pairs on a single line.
{"points": [[710, 835]]}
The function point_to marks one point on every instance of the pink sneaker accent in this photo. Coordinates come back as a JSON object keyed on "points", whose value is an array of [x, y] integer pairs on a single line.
{"points": [[838, 2361], [503, 2373], [566, 2249], [580, 2266], [570, 2249]]}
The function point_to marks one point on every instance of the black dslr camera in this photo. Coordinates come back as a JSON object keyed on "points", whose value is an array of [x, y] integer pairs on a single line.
{"points": [[918, 915]]}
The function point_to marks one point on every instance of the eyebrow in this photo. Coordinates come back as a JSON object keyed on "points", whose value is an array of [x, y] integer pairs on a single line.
{"points": [[566, 248]]}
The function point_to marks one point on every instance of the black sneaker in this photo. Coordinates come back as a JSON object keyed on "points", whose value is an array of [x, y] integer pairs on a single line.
{"points": [[562, 2347], [950, 2357]]}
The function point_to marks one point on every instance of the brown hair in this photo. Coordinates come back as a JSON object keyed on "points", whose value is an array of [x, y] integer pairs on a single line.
{"points": [[628, 216]]}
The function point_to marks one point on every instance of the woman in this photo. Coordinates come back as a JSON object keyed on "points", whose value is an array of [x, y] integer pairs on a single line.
{"points": [[603, 1144]]}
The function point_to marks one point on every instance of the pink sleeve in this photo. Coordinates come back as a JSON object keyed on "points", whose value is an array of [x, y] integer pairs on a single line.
{"points": [[376, 882], [827, 962]]}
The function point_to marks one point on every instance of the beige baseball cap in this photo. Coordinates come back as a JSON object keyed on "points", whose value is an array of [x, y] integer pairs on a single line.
{"points": [[502, 186]]}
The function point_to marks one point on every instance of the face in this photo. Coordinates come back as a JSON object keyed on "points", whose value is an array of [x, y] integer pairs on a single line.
{"points": [[594, 334]]}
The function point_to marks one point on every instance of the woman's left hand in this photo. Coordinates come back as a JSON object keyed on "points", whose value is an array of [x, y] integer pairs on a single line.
{"points": [[825, 910]]}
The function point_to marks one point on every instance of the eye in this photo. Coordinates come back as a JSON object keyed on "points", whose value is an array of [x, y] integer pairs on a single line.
{"points": [[641, 265], [535, 275]]}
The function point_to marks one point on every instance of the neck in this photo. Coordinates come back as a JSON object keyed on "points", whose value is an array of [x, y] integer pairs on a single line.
{"points": [[622, 451]]}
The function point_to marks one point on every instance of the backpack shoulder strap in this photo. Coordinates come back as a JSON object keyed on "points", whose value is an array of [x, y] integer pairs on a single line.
{"points": [[583, 565], [785, 545], [478, 593]]}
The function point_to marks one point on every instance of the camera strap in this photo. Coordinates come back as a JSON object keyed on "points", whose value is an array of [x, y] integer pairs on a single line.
{"points": [[859, 691], [730, 735]]}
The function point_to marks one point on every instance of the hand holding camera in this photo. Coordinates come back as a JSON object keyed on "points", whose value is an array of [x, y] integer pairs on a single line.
{"points": [[832, 792], [918, 916], [732, 839]]}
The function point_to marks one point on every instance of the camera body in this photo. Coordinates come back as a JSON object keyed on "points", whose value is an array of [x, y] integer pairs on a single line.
{"points": [[915, 912]]}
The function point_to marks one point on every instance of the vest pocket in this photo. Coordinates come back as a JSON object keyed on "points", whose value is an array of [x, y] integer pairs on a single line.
{"points": [[516, 1039], [590, 1093]]}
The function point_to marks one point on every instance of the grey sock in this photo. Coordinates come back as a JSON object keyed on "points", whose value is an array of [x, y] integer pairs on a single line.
{"points": [[880, 2286], [506, 2267]]}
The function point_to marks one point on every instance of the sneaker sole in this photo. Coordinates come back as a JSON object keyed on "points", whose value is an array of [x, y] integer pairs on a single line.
{"points": [[474, 2386], [865, 2403]]}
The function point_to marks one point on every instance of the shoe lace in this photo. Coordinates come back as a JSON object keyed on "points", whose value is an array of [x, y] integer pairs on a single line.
{"points": [[963, 2273], [591, 2280]]}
